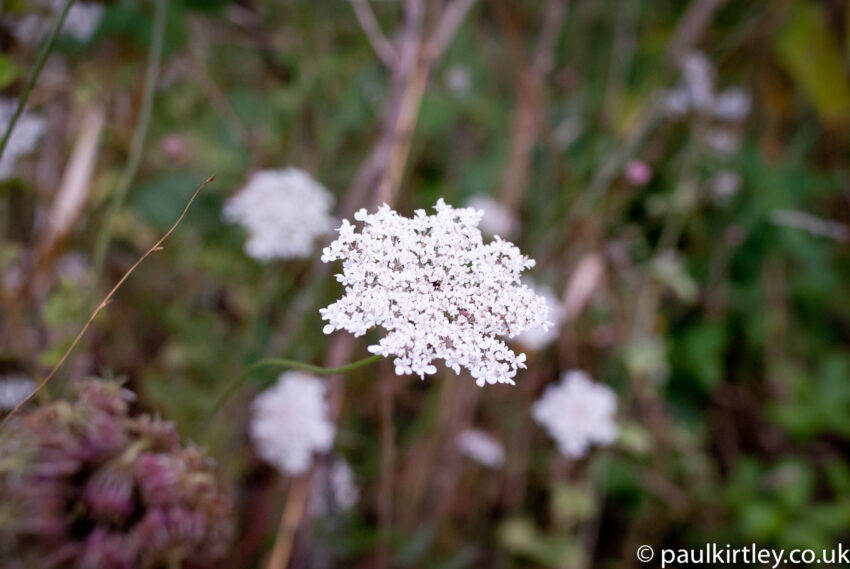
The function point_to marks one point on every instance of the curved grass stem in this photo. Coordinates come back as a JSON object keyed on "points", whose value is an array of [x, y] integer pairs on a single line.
{"points": [[283, 363]]}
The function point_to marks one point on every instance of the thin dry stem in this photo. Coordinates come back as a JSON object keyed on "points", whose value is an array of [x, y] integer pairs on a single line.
{"points": [[107, 299], [692, 27], [367, 20], [74, 189], [289, 522]]}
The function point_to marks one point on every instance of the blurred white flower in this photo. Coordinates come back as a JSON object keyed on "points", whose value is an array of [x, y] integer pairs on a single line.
{"points": [[438, 290], [732, 105], [811, 223], [284, 212], [696, 93], [698, 80], [481, 447], [568, 130], [14, 389], [457, 80], [676, 103], [498, 218], [335, 489], [81, 22], [538, 338], [28, 131], [725, 184], [290, 422], [723, 141], [577, 412]]}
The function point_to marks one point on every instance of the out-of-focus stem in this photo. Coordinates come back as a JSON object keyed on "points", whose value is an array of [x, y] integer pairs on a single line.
{"points": [[36, 71], [138, 143], [292, 514]]}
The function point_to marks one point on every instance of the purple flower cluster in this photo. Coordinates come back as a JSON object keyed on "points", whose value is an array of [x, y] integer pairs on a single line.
{"points": [[85, 485]]}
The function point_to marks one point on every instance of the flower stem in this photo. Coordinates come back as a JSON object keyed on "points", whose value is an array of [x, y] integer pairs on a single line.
{"points": [[36, 71], [282, 363]]}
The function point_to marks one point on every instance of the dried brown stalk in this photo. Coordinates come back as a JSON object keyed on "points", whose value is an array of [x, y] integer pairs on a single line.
{"points": [[289, 522]]}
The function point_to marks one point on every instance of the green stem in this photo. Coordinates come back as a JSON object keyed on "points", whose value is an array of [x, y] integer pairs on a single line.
{"points": [[283, 363], [138, 143], [36, 71]]}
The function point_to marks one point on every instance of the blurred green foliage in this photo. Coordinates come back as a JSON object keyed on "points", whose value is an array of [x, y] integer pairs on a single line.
{"points": [[734, 373]]}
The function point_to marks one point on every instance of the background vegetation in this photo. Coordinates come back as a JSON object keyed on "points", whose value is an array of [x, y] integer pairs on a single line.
{"points": [[723, 328]]}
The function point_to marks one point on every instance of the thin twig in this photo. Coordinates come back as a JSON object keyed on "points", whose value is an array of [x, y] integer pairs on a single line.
{"points": [[367, 20], [156, 247], [137, 144], [36, 71]]}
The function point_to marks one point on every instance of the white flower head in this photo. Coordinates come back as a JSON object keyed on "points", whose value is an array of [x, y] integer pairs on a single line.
{"points": [[290, 422], [725, 184], [722, 141], [577, 412], [481, 447], [24, 138], [675, 103], [498, 219], [696, 92], [336, 489], [538, 338], [698, 80], [732, 105], [284, 212], [457, 80], [14, 389], [438, 290], [81, 22]]}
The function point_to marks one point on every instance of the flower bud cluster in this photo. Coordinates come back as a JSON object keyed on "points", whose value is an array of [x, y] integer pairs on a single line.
{"points": [[84, 484]]}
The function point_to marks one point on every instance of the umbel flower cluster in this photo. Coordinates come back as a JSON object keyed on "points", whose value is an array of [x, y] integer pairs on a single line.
{"points": [[284, 211], [438, 290], [577, 412], [83, 484], [290, 422]]}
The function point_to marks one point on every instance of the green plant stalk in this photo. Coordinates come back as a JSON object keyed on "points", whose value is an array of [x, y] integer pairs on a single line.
{"points": [[138, 143], [36, 71], [284, 363]]}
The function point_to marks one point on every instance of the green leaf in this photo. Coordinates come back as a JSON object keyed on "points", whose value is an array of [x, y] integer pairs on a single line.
{"points": [[812, 56], [8, 71]]}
